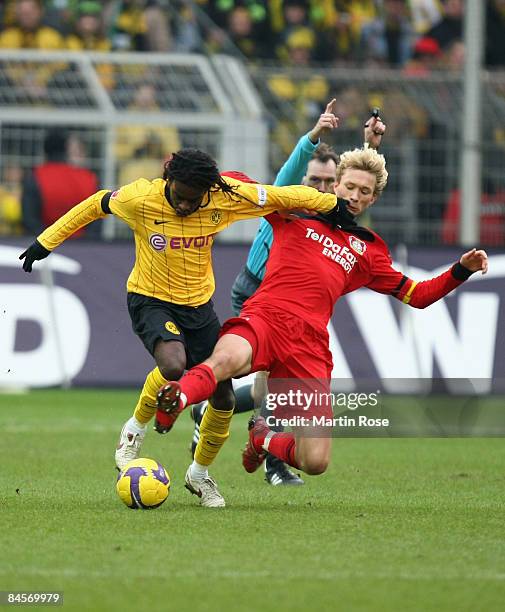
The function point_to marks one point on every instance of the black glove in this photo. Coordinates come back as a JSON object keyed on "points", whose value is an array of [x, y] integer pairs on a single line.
{"points": [[33, 253]]}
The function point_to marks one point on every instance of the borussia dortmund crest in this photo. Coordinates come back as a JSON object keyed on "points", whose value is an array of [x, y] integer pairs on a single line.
{"points": [[215, 217], [172, 327]]}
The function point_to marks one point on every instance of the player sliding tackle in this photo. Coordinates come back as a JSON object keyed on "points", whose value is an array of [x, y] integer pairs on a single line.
{"points": [[315, 165], [283, 326], [174, 220]]}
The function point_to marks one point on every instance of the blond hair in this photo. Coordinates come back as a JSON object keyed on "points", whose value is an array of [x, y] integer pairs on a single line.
{"points": [[369, 161]]}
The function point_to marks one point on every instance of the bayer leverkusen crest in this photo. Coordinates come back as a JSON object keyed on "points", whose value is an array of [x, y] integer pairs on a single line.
{"points": [[357, 245]]}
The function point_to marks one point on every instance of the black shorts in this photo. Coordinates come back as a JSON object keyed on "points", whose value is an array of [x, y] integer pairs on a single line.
{"points": [[197, 328], [244, 286]]}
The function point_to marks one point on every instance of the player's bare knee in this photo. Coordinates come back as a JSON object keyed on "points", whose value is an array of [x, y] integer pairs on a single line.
{"points": [[171, 359], [223, 362], [314, 461], [315, 465], [171, 371]]}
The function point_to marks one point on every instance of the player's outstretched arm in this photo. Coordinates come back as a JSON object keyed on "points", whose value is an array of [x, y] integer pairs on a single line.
{"points": [[94, 207], [301, 198], [261, 200], [424, 293]]}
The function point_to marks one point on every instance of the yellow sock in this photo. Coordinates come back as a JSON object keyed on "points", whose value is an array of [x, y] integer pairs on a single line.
{"points": [[214, 431], [146, 406]]}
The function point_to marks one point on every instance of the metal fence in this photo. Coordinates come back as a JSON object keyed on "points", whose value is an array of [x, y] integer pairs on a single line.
{"points": [[422, 145], [127, 112]]}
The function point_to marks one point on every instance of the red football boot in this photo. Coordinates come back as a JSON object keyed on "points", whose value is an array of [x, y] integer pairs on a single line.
{"points": [[169, 405], [251, 457]]}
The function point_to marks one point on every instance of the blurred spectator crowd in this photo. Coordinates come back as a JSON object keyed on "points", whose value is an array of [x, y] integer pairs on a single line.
{"points": [[415, 34]]}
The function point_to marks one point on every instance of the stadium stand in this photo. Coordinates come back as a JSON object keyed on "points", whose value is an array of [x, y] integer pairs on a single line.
{"points": [[404, 56]]}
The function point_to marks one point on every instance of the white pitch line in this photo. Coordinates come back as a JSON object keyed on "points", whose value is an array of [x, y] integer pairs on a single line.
{"points": [[302, 575]]}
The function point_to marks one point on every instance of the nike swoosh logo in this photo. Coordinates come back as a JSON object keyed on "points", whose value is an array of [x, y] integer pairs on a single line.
{"points": [[160, 222]]}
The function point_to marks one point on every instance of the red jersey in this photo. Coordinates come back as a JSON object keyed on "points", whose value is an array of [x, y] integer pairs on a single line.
{"points": [[311, 265], [492, 218], [61, 185]]}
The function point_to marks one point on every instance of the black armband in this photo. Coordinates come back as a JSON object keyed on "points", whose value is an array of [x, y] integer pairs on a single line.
{"points": [[105, 203], [398, 288], [460, 273], [39, 251]]}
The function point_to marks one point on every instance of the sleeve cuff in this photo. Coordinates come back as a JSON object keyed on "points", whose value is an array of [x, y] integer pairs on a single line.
{"points": [[105, 203], [460, 273], [308, 142], [40, 250]]}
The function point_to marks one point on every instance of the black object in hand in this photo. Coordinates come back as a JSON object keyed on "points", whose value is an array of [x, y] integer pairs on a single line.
{"points": [[375, 113]]}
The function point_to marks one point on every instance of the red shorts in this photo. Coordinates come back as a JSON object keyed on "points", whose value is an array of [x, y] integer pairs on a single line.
{"points": [[296, 355]]}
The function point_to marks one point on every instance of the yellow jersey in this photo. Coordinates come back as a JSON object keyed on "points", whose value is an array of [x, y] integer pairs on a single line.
{"points": [[173, 259]]}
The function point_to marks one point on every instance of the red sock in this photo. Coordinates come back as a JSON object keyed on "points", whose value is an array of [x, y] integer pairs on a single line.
{"points": [[198, 384], [283, 446]]}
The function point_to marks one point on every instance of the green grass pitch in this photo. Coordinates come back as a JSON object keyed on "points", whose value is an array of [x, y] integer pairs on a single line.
{"points": [[402, 524]]}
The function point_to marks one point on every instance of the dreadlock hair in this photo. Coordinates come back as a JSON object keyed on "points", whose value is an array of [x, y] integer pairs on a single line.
{"points": [[197, 169], [324, 153]]}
